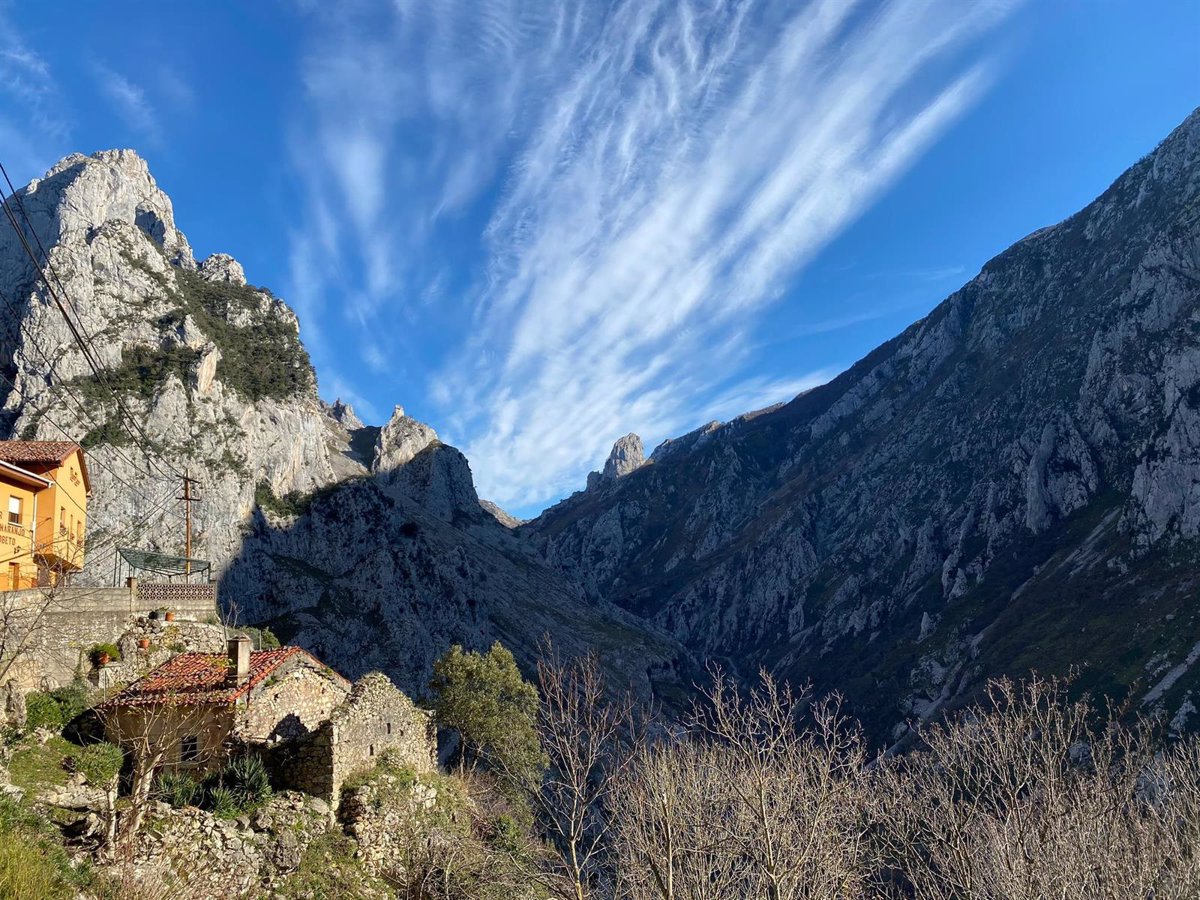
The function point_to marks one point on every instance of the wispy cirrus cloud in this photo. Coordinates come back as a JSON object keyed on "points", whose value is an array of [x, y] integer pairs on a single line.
{"points": [[33, 117], [634, 184], [130, 102]]}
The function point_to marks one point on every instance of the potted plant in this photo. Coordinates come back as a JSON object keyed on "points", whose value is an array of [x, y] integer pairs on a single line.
{"points": [[143, 643], [103, 654], [169, 615]]}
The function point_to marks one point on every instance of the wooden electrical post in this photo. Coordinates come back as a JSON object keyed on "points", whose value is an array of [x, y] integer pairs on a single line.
{"points": [[188, 500]]}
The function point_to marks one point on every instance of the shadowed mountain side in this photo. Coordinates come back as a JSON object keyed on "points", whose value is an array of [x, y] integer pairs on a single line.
{"points": [[387, 572], [1011, 482]]}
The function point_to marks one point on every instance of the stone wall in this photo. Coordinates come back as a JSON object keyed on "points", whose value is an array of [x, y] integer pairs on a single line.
{"points": [[193, 853], [55, 627], [374, 718], [294, 700], [165, 640]]}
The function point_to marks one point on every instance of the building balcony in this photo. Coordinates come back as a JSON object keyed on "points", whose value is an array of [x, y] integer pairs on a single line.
{"points": [[64, 552]]}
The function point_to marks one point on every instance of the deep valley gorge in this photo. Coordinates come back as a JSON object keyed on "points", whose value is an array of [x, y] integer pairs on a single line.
{"points": [[1007, 485]]}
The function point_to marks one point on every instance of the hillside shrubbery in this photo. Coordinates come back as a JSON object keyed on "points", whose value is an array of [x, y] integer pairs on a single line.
{"points": [[260, 360], [263, 360], [1028, 796], [775, 794]]}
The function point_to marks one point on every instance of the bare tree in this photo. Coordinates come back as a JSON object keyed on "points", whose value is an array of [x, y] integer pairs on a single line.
{"points": [[748, 801], [151, 734], [588, 735], [1029, 796], [665, 808]]}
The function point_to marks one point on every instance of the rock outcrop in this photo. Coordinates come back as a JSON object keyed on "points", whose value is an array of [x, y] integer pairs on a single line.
{"points": [[627, 455], [200, 372], [401, 439]]}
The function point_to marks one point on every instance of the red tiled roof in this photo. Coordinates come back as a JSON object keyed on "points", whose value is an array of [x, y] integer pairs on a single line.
{"points": [[18, 452], [43, 453], [195, 678]]}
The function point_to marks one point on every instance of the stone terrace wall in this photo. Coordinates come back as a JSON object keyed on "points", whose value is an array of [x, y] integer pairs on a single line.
{"points": [[56, 626], [374, 718]]}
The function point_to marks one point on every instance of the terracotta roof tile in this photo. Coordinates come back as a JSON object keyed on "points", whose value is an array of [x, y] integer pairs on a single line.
{"points": [[48, 452], [40, 456], [194, 678]]}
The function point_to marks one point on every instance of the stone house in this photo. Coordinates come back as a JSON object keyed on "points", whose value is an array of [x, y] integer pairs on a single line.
{"points": [[310, 725]]}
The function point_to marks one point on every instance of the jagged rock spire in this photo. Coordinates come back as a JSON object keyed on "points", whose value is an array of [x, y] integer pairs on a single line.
{"points": [[626, 455]]}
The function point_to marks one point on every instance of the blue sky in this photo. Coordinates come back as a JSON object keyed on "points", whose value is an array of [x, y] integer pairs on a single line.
{"points": [[538, 226]]}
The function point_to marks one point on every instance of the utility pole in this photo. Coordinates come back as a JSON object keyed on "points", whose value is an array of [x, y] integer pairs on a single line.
{"points": [[188, 500]]}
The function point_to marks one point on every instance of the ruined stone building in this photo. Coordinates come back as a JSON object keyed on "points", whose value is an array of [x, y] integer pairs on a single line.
{"points": [[310, 725]]}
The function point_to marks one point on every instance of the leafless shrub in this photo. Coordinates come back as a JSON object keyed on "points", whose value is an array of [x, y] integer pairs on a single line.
{"points": [[1032, 795], [751, 801], [588, 736], [1028, 795]]}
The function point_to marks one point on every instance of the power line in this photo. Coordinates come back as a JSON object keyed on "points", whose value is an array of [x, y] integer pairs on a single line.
{"points": [[65, 389], [142, 495], [83, 345]]}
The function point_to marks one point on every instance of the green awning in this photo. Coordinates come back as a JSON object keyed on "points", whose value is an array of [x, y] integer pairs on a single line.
{"points": [[162, 563]]}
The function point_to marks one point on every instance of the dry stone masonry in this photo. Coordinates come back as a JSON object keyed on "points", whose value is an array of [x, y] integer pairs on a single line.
{"points": [[374, 720]]}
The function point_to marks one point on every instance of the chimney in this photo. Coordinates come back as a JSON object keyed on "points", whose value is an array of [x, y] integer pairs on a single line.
{"points": [[239, 658]]}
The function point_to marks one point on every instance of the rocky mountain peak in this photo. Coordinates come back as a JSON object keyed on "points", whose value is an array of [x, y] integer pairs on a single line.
{"points": [[82, 193], [367, 544], [1008, 483], [221, 267], [627, 454], [401, 439], [344, 415]]}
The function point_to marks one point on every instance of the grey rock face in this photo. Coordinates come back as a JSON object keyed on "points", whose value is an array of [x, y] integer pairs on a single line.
{"points": [[224, 268], [1011, 481], [500, 515], [344, 415], [627, 455], [183, 364], [401, 439]]}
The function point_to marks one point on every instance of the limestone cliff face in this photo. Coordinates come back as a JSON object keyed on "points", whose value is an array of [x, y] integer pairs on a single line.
{"points": [[1009, 483], [366, 544], [212, 369]]}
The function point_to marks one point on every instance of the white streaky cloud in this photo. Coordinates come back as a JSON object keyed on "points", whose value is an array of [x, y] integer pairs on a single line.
{"points": [[653, 174], [34, 123], [130, 102]]}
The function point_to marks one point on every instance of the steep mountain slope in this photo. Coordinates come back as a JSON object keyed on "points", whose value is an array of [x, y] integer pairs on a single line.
{"points": [[368, 544], [1010, 482]]}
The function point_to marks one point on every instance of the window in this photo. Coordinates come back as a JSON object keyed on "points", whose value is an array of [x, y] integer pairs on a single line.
{"points": [[189, 749], [62, 519], [389, 727], [14, 510]]}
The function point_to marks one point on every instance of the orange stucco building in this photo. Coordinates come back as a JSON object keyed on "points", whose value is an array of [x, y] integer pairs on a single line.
{"points": [[44, 490]]}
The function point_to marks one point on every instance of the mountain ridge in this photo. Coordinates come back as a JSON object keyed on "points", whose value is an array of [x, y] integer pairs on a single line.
{"points": [[214, 373], [892, 497], [980, 494]]}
